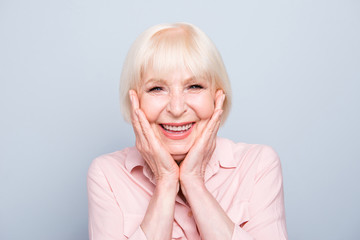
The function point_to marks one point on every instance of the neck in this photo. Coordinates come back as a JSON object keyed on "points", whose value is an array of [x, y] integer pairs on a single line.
{"points": [[178, 158]]}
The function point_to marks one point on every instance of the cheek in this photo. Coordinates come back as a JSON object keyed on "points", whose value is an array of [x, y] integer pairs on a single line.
{"points": [[202, 104], [152, 107]]}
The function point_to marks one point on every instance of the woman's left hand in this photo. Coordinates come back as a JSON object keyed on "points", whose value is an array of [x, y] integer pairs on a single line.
{"points": [[192, 173], [193, 166]]}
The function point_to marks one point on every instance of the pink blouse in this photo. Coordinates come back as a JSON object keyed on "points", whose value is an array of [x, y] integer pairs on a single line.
{"points": [[245, 179]]}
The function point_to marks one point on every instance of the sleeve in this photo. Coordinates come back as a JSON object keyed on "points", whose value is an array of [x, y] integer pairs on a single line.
{"points": [[106, 220], [266, 204]]}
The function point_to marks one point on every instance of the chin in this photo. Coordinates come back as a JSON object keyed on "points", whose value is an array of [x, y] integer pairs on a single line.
{"points": [[178, 157], [179, 151]]}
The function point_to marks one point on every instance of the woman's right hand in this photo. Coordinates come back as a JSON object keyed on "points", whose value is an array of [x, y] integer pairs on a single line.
{"points": [[159, 216], [159, 160]]}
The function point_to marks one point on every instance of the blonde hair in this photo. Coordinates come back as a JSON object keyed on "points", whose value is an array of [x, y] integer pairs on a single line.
{"points": [[166, 47]]}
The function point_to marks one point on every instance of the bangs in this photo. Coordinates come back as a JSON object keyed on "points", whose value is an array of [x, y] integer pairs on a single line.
{"points": [[175, 49]]}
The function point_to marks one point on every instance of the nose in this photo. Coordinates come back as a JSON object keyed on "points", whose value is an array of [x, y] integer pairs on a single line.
{"points": [[176, 105]]}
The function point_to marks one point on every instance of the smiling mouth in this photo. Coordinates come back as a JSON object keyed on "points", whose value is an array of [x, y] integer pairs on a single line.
{"points": [[177, 128]]}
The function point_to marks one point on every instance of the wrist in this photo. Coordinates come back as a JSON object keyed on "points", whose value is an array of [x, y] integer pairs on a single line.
{"points": [[192, 182], [167, 185], [193, 189]]}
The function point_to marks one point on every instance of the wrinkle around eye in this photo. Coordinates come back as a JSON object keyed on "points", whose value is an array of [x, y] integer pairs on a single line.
{"points": [[196, 86], [155, 89]]}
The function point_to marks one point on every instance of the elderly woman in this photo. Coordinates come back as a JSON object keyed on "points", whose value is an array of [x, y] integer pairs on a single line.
{"points": [[181, 181]]}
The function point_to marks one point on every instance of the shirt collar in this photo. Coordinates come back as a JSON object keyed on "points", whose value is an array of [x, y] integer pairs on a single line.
{"points": [[224, 153], [223, 156], [133, 159]]}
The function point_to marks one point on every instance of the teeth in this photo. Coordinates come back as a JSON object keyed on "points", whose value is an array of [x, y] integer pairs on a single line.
{"points": [[177, 128]]}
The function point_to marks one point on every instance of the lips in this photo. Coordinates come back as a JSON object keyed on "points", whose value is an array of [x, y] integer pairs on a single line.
{"points": [[181, 128], [177, 131]]}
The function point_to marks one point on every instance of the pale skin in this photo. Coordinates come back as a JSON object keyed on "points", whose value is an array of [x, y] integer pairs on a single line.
{"points": [[176, 172]]}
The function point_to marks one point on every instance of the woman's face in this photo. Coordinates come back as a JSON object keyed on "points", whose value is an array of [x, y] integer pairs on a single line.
{"points": [[177, 107]]}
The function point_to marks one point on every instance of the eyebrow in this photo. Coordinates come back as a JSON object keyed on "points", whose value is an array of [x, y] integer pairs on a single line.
{"points": [[163, 81], [155, 80], [190, 80]]}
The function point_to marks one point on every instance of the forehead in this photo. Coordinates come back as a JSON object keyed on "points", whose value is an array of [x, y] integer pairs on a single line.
{"points": [[172, 63], [183, 76], [176, 74]]}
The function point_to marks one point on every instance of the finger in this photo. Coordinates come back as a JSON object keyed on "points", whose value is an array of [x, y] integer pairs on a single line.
{"points": [[209, 137], [219, 99], [216, 117], [134, 99], [134, 105], [140, 129], [146, 128], [135, 118], [215, 120], [211, 128], [215, 130], [143, 122], [141, 141], [154, 145]]}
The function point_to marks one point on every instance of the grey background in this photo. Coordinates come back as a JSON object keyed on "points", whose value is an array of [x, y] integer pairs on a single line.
{"points": [[294, 67]]}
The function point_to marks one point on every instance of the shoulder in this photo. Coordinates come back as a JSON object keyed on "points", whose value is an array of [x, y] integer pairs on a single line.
{"points": [[248, 154], [108, 162]]}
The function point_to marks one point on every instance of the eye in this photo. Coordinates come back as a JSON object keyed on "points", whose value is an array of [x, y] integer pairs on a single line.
{"points": [[155, 89], [196, 86]]}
